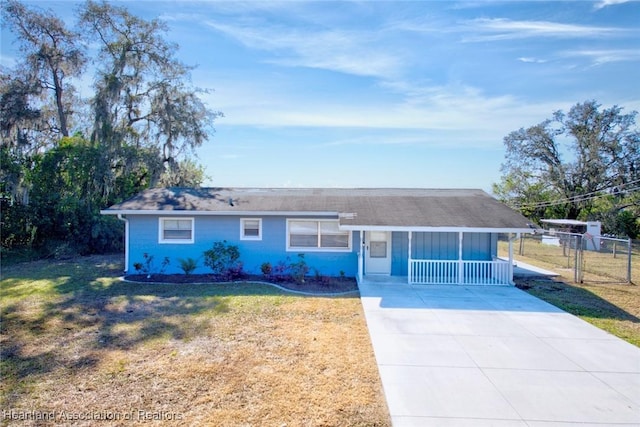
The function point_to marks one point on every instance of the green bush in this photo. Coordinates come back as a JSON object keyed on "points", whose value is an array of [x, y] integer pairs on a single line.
{"points": [[222, 258], [299, 269], [266, 268], [188, 265]]}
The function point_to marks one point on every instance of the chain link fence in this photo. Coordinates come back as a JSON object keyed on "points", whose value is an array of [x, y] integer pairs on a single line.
{"points": [[588, 258]]}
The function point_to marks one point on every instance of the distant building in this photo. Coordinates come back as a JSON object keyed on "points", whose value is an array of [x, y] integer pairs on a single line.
{"points": [[590, 231]]}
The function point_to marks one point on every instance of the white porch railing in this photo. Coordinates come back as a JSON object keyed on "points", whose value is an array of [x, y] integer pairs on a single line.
{"points": [[454, 272]]}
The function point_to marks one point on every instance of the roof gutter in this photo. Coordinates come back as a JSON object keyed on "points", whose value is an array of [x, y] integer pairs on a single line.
{"points": [[349, 227], [215, 213], [440, 229]]}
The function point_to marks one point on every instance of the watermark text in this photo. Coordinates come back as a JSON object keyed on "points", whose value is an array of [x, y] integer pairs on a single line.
{"points": [[134, 415]]}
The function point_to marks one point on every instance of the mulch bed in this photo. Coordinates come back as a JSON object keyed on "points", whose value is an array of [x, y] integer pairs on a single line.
{"points": [[315, 285]]}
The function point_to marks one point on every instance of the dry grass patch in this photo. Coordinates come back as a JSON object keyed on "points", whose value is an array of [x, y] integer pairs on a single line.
{"points": [[613, 307], [598, 267], [77, 341]]}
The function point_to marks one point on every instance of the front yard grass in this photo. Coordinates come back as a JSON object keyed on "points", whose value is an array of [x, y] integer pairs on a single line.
{"points": [[613, 307], [79, 343]]}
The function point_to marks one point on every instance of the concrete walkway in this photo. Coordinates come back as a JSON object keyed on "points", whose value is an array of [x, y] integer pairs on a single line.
{"points": [[527, 270], [496, 356]]}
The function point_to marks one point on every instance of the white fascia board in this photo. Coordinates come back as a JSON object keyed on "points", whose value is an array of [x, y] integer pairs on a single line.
{"points": [[216, 213], [435, 229]]}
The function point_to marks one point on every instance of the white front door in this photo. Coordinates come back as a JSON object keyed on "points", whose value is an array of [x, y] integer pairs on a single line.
{"points": [[378, 252]]}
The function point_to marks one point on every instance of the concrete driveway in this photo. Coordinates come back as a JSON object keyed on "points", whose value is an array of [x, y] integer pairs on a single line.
{"points": [[496, 356]]}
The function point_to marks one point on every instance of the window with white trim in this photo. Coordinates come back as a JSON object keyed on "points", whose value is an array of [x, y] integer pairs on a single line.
{"points": [[176, 230], [250, 228], [320, 235]]}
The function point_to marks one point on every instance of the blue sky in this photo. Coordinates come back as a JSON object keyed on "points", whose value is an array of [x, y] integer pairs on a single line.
{"points": [[388, 94]]}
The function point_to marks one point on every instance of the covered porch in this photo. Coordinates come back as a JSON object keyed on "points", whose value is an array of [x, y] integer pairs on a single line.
{"points": [[460, 272], [419, 256]]}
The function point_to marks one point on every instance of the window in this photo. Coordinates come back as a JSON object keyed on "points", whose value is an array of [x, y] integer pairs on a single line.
{"points": [[303, 234], [317, 235], [176, 230], [250, 229], [377, 244], [378, 249]]}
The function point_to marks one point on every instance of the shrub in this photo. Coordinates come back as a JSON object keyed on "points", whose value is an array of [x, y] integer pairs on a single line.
{"points": [[163, 266], [147, 266], [287, 270], [222, 258], [281, 270], [299, 269], [320, 278], [188, 265], [234, 273], [266, 268]]}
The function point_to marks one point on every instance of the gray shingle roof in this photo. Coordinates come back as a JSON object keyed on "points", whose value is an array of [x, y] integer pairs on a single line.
{"points": [[393, 207]]}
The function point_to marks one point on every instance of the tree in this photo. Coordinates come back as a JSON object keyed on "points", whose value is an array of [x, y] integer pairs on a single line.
{"points": [[185, 173], [17, 119], [52, 53], [31, 120], [619, 214], [17, 114], [141, 98], [144, 124], [560, 167], [66, 199]]}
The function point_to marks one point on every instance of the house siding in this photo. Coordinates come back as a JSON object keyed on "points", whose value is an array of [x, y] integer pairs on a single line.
{"points": [[477, 246], [399, 253], [272, 247], [440, 246], [253, 253], [437, 246]]}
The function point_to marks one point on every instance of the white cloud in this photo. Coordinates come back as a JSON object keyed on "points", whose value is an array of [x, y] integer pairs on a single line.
{"points": [[415, 111], [604, 56], [412, 101], [531, 60], [494, 29], [464, 138], [351, 52], [604, 3]]}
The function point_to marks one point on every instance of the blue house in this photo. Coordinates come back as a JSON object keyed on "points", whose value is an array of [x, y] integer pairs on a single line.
{"points": [[421, 236]]}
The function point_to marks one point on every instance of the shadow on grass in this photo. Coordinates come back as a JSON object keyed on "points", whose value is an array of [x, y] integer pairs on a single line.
{"points": [[59, 317], [574, 299]]}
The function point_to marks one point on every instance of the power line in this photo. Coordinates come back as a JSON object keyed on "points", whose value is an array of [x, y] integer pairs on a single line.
{"points": [[578, 198]]}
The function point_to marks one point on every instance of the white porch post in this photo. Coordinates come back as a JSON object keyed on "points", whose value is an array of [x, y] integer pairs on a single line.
{"points": [[460, 263], [409, 261], [511, 239], [360, 257]]}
